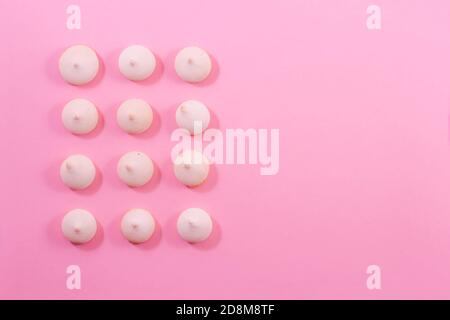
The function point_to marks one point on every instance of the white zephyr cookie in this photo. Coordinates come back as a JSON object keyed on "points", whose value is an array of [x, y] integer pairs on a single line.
{"points": [[194, 225], [78, 64], [77, 171], [137, 63], [135, 168], [191, 168], [79, 116], [193, 64], [134, 116], [137, 225], [193, 116], [79, 226]]}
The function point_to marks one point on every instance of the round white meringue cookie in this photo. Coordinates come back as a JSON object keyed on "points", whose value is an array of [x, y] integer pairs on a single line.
{"points": [[193, 64], [191, 168], [137, 225], [193, 116], [78, 65], [79, 116], [79, 226], [77, 171], [135, 169], [134, 116], [137, 62], [194, 225]]}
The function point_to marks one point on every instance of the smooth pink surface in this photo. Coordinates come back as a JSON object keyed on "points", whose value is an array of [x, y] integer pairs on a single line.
{"points": [[365, 160]]}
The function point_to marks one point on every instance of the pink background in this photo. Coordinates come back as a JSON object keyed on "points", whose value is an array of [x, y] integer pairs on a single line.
{"points": [[364, 155]]}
